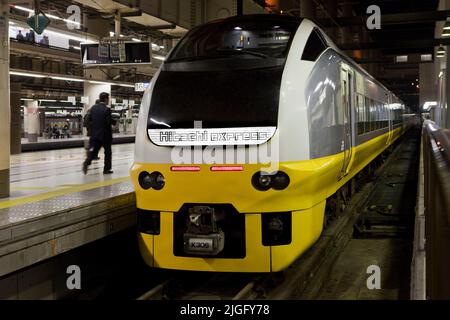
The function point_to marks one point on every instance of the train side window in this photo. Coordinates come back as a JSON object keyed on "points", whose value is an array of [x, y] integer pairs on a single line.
{"points": [[314, 46]]}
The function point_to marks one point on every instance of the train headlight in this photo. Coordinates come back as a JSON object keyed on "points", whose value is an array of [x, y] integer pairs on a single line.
{"points": [[261, 181], [158, 180], [145, 180], [154, 180], [280, 181]]}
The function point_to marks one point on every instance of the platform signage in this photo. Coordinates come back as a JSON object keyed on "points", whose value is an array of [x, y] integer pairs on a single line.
{"points": [[141, 86], [116, 52], [38, 22]]}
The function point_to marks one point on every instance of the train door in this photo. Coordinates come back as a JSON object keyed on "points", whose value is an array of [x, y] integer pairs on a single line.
{"points": [[347, 89]]}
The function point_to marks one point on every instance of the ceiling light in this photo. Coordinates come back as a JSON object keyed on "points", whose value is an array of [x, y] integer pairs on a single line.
{"points": [[159, 57], [401, 58], [136, 40], [440, 53], [22, 8], [67, 79], [24, 74], [426, 57], [447, 24], [446, 33], [100, 82], [237, 28], [69, 36]]}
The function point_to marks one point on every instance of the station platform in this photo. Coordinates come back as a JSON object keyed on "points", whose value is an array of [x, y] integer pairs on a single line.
{"points": [[54, 207], [73, 142]]}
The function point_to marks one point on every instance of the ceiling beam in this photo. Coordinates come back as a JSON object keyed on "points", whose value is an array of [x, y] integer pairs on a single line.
{"points": [[390, 19]]}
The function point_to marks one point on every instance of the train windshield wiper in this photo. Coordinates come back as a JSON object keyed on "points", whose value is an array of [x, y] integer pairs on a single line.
{"points": [[239, 51]]}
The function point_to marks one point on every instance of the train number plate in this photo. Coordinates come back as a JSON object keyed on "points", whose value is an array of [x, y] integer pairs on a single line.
{"points": [[200, 244]]}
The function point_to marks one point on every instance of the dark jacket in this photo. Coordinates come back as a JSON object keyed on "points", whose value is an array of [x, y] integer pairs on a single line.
{"points": [[101, 121]]}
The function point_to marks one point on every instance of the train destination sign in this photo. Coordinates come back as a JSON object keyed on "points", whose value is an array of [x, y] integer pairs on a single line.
{"points": [[215, 136]]}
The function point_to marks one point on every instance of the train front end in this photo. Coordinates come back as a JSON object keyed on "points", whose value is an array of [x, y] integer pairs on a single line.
{"points": [[213, 192]]}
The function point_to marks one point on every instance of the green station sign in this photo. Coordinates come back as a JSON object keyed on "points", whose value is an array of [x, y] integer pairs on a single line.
{"points": [[38, 22]]}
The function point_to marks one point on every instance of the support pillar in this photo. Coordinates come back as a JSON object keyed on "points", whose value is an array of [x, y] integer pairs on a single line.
{"points": [[4, 96], [33, 122], [16, 125]]}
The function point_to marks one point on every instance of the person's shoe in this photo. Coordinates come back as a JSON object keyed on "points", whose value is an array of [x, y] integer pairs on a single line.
{"points": [[108, 172], [85, 168]]}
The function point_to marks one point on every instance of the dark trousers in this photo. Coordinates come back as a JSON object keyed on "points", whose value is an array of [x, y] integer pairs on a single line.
{"points": [[94, 148]]}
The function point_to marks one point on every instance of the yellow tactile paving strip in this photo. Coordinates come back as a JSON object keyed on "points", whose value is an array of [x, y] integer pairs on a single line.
{"points": [[60, 192]]}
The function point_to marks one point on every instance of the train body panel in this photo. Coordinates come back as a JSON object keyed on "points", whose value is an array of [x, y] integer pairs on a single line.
{"points": [[328, 119]]}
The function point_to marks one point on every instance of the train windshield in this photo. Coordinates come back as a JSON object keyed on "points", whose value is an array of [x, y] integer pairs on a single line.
{"points": [[237, 39]]}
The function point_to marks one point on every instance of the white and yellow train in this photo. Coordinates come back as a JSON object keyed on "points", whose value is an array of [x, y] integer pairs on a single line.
{"points": [[247, 129]]}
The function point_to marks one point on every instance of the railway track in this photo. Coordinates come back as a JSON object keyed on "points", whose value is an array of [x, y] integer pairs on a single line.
{"points": [[303, 278]]}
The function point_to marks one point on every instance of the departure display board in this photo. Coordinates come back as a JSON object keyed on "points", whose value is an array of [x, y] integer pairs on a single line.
{"points": [[107, 53]]}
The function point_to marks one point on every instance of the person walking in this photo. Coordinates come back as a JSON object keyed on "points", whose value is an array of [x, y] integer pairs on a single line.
{"points": [[101, 133]]}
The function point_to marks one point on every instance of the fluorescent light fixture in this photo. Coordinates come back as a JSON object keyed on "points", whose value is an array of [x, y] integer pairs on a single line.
{"points": [[237, 28], [447, 24], [47, 100], [112, 34], [69, 36], [24, 74], [22, 8], [440, 53], [124, 85], [159, 57], [136, 40], [100, 82], [446, 33], [401, 58], [67, 79], [426, 57]]}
